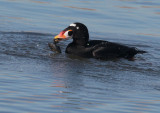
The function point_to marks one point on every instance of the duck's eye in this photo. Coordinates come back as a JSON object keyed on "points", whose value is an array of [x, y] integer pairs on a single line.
{"points": [[70, 33]]}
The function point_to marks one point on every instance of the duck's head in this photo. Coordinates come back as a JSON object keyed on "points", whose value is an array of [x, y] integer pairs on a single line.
{"points": [[77, 31]]}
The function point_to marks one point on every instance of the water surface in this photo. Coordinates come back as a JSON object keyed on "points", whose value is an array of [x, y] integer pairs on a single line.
{"points": [[35, 79]]}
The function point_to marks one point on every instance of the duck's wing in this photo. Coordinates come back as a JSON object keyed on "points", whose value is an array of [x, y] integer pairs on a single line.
{"points": [[109, 50]]}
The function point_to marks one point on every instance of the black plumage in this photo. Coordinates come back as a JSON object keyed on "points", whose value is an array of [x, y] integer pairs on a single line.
{"points": [[99, 49]]}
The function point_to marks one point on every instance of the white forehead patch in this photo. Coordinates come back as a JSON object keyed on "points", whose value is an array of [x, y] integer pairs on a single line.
{"points": [[74, 25], [77, 27]]}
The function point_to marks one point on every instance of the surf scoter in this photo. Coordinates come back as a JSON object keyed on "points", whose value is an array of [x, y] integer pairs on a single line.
{"points": [[98, 49]]}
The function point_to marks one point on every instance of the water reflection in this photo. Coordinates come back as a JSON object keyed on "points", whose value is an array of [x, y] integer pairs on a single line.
{"points": [[127, 7], [39, 2], [32, 79], [68, 83], [81, 8], [16, 18], [157, 13], [110, 17], [148, 34], [142, 105], [150, 6]]}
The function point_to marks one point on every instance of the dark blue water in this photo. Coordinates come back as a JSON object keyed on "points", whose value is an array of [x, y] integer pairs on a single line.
{"points": [[34, 79]]}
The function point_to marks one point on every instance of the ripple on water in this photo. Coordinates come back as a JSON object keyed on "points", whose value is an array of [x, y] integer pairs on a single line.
{"points": [[34, 79]]}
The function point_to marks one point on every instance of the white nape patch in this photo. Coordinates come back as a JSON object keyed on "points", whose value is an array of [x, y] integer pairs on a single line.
{"points": [[74, 25], [77, 27]]}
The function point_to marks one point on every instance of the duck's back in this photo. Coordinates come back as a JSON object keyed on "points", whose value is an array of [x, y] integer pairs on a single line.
{"points": [[102, 50], [109, 50]]}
